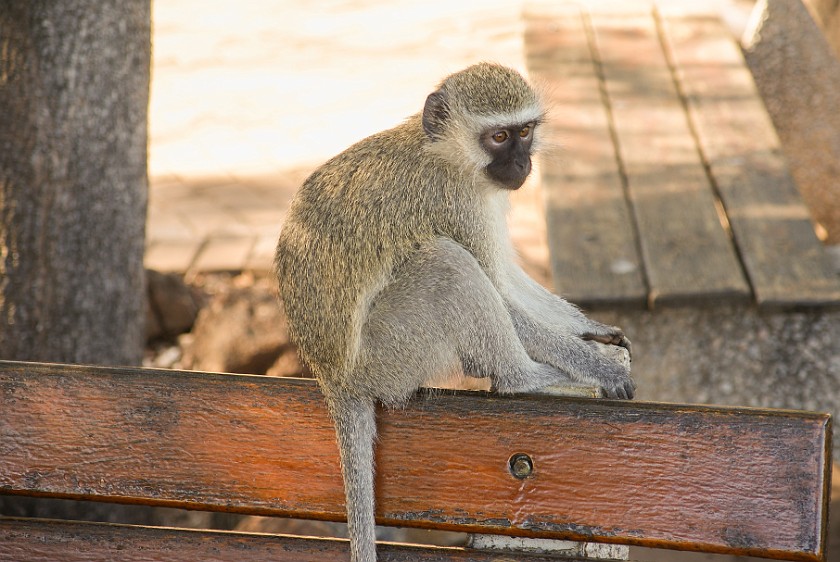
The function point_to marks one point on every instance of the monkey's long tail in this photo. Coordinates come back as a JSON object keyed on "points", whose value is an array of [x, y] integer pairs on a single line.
{"points": [[355, 424]]}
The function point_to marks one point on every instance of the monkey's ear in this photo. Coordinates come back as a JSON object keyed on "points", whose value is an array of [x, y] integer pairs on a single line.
{"points": [[435, 114]]}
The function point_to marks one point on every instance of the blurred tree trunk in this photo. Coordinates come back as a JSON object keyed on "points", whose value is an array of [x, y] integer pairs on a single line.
{"points": [[74, 91]]}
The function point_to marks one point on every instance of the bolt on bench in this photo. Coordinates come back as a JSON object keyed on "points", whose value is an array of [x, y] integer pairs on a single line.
{"points": [[726, 480]]}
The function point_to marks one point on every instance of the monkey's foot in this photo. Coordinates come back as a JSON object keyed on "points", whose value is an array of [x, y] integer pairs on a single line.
{"points": [[622, 387]]}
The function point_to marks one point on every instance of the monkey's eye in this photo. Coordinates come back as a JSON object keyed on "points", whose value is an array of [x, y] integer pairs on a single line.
{"points": [[500, 136], [526, 130]]}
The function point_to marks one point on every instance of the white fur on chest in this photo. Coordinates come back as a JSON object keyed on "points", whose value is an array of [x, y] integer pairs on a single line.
{"points": [[498, 205]]}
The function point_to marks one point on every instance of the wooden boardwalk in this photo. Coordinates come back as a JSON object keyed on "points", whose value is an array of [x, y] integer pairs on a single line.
{"points": [[663, 176]]}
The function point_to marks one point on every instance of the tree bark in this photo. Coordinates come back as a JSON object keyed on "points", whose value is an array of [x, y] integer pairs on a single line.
{"points": [[74, 91]]}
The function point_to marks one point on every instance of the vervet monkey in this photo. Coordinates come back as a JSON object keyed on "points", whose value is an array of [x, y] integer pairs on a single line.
{"points": [[395, 266]]}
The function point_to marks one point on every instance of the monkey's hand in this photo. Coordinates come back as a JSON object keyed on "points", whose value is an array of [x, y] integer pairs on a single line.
{"points": [[609, 335]]}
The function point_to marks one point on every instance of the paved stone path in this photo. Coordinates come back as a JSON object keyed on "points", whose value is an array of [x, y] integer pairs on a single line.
{"points": [[248, 98]]}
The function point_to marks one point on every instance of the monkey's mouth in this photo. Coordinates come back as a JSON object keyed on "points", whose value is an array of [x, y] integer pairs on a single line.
{"points": [[514, 185], [510, 175]]}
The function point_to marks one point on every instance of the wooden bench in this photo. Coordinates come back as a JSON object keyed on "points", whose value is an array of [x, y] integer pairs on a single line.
{"points": [[664, 179], [725, 480]]}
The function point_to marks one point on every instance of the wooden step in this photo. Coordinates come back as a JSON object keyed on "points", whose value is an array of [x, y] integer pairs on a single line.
{"points": [[664, 179], [785, 262]]}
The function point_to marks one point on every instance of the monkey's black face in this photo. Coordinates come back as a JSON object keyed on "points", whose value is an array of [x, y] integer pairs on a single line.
{"points": [[510, 148]]}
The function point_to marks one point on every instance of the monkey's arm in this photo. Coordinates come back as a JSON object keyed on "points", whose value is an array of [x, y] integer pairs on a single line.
{"points": [[551, 312]]}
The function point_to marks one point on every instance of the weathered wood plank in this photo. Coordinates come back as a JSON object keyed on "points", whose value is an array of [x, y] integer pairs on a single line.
{"points": [[785, 261], [687, 253], [717, 479], [34, 540], [592, 239]]}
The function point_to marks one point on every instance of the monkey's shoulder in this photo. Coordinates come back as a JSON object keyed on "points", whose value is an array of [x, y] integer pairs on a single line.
{"points": [[394, 155]]}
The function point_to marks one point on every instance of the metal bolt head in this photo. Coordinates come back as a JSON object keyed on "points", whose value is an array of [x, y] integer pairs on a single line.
{"points": [[521, 466]]}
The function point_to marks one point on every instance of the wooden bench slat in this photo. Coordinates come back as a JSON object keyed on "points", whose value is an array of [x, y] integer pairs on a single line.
{"points": [[594, 250], [785, 262], [722, 479], [688, 255], [34, 540]]}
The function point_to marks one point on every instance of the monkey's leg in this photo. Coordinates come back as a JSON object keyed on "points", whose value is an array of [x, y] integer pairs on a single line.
{"points": [[440, 313]]}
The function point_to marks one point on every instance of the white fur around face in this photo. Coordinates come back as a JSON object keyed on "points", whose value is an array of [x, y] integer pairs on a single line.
{"points": [[466, 131], [476, 125], [467, 139], [529, 114]]}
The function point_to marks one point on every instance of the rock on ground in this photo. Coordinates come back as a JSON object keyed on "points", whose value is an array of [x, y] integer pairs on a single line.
{"points": [[242, 330], [171, 305]]}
